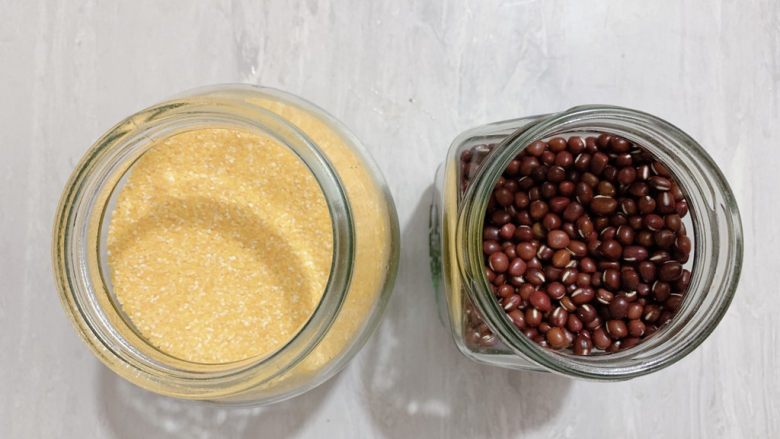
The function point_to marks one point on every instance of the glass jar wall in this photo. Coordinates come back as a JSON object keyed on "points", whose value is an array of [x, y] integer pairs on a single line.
{"points": [[364, 255], [481, 328]]}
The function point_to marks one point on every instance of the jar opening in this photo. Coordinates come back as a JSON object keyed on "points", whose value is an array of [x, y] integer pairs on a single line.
{"points": [[80, 250], [715, 221]]}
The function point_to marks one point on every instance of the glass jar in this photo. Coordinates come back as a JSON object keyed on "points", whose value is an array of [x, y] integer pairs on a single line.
{"points": [[364, 258], [481, 328]]}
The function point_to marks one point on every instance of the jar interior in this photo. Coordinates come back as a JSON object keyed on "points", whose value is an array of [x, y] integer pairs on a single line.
{"points": [[109, 166], [116, 308], [363, 263], [713, 221], [691, 264]]}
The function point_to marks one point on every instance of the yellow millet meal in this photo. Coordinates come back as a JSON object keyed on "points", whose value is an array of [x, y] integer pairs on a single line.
{"points": [[220, 245]]}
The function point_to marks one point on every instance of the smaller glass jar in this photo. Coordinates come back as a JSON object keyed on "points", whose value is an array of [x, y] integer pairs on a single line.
{"points": [[481, 328], [364, 257]]}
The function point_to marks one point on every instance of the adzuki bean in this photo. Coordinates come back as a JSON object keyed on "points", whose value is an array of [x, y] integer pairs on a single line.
{"points": [[584, 243]]}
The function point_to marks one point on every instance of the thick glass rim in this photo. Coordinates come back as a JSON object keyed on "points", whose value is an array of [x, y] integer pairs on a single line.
{"points": [[718, 245], [82, 209]]}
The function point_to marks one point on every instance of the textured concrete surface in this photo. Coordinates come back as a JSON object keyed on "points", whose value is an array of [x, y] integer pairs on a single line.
{"points": [[406, 76]]}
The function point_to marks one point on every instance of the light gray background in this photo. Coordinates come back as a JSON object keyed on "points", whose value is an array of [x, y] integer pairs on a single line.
{"points": [[406, 76]]}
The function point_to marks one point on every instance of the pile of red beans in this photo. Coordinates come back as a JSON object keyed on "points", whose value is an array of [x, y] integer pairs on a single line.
{"points": [[584, 243]]}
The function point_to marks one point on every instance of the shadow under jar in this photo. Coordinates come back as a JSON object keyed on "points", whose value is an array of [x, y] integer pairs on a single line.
{"points": [[363, 261], [483, 330]]}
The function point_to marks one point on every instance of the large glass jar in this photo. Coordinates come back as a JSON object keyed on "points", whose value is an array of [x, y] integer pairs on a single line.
{"points": [[364, 258], [481, 328]]}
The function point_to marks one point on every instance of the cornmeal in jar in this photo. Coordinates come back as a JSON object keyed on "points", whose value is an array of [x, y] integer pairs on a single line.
{"points": [[220, 245]]}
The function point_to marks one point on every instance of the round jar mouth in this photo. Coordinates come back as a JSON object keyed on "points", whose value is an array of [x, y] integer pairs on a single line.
{"points": [[80, 235], [717, 236]]}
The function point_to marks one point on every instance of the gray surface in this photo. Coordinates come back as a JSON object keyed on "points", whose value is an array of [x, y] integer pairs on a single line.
{"points": [[406, 76]]}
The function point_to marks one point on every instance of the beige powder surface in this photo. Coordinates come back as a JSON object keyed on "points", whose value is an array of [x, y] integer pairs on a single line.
{"points": [[220, 245]]}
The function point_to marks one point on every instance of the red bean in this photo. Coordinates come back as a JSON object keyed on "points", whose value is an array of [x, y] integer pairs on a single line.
{"points": [[557, 239], [540, 301], [559, 317], [583, 280], [673, 302], [556, 338], [618, 144], [639, 189], [556, 290], [545, 253], [604, 296], [517, 267], [500, 217], [582, 345], [578, 249], [646, 205], [583, 243], [498, 262], [611, 249], [636, 328], [584, 193], [583, 295], [647, 271], [659, 169], [587, 265], [683, 244], [611, 279], [490, 247], [606, 189], [618, 308], [518, 318], [533, 317], [629, 279], [643, 172], [603, 205], [586, 313], [625, 235], [525, 291], [573, 211], [504, 196], [511, 302], [598, 162], [626, 175], [505, 290], [575, 144], [573, 323], [664, 238], [635, 311], [600, 338], [681, 208], [670, 271], [673, 222], [681, 284], [538, 209], [603, 140], [635, 253], [660, 183], [561, 258], [653, 222], [665, 203], [617, 329], [557, 144], [536, 148], [558, 204], [521, 200], [644, 238]]}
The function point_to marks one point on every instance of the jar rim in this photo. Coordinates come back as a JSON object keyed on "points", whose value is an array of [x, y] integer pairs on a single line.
{"points": [[84, 199], [717, 239]]}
